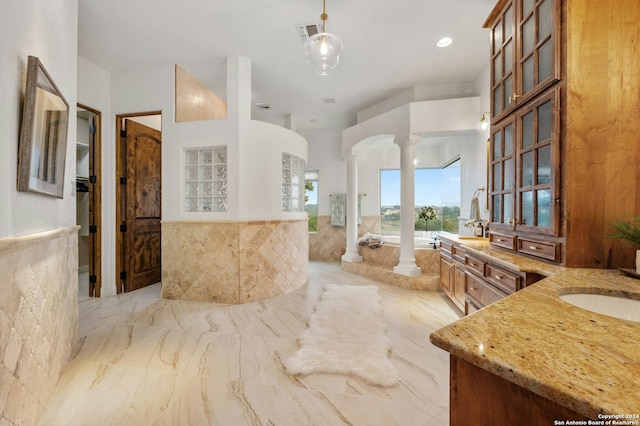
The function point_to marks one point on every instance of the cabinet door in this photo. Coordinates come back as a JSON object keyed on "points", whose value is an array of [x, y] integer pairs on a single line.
{"points": [[502, 175], [445, 271], [537, 194], [538, 48], [525, 53], [459, 284], [502, 61]]}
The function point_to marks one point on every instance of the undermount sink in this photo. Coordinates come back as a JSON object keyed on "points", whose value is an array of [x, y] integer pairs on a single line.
{"points": [[613, 306]]}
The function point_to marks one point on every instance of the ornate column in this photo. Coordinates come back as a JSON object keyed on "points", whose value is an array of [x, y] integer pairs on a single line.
{"points": [[407, 264], [352, 254]]}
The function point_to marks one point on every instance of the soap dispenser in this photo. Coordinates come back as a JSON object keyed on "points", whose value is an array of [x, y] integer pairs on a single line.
{"points": [[479, 230]]}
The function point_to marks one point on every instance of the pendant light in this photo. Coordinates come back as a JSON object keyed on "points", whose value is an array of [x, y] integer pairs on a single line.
{"points": [[323, 50]]}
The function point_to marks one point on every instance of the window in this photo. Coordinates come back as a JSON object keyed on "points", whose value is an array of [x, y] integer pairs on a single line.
{"points": [[292, 188], [311, 199], [205, 178], [439, 188]]}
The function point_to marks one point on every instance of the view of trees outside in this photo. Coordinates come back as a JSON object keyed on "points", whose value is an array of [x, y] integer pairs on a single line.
{"points": [[446, 219], [439, 188], [311, 203]]}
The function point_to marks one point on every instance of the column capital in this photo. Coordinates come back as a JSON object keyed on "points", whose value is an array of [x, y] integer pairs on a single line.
{"points": [[407, 140]]}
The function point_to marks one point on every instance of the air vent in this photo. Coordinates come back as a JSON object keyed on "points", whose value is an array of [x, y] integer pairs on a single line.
{"points": [[307, 30], [328, 100]]}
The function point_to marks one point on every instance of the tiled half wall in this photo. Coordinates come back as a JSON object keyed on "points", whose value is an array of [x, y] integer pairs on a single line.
{"points": [[233, 262], [330, 242], [38, 319]]}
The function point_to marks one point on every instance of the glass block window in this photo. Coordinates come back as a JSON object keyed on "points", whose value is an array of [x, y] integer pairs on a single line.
{"points": [[205, 179], [292, 183]]}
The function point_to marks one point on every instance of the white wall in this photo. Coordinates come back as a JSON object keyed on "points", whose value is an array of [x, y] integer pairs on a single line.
{"points": [[47, 30], [325, 156], [260, 170], [416, 94], [38, 303], [94, 91], [474, 168]]}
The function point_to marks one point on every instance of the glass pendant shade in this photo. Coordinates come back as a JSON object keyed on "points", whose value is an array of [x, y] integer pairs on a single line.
{"points": [[322, 51], [483, 124]]}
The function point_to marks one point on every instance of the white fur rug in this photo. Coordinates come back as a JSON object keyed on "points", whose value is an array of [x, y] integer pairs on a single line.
{"points": [[346, 335]]}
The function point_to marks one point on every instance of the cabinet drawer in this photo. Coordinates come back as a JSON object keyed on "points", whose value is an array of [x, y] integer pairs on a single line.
{"points": [[506, 241], [545, 250], [475, 264], [458, 254], [482, 293], [445, 248], [505, 280]]}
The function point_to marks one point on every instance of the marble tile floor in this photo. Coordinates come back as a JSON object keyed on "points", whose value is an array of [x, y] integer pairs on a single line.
{"points": [[142, 360], [83, 285]]}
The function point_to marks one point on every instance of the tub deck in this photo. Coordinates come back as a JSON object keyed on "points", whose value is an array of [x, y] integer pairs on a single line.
{"points": [[378, 264]]}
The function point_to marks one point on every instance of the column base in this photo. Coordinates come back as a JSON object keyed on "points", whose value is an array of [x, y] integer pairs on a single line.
{"points": [[408, 271], [351, 257]]}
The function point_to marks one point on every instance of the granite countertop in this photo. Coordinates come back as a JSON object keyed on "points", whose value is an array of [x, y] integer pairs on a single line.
{"points": [[585, 361]]}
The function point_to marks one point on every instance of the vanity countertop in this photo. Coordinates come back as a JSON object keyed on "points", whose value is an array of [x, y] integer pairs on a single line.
{"points": [[585, 361]]}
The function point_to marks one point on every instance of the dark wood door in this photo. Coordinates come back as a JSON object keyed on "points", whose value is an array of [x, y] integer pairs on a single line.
{"points": [[142, 207]]}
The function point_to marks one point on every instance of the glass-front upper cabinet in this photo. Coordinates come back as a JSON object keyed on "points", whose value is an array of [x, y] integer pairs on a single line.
{"points": [[502, 60], [502, 173], [537, 128], [525, 52], [523, 168]]}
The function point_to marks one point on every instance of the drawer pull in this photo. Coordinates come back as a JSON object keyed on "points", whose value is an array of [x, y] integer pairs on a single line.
{"points": [[472, 289], [499, 240], [498, 277], [533, 248]]}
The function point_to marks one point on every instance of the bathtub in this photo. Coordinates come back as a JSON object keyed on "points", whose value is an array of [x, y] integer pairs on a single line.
{"points": [[379, 263], [419, 242]]}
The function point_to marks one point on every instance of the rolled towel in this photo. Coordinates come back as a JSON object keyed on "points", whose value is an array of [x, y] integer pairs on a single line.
{"points": [[364, 240], [376, 241]]}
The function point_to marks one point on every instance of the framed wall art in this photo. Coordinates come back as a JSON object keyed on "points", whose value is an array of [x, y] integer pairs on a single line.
{"points": [[43, 134]]}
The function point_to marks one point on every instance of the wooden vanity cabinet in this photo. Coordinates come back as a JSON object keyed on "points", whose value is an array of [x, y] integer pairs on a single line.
{"points": [[452, 273], [524, 154], [480, 397], [524, 177], [480, 293], [564, 128], [472, 280], [445, 269], [487, 282]]}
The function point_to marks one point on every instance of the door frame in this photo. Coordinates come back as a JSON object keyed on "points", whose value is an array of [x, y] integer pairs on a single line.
{"points": [[120, 155], [95, 204]]}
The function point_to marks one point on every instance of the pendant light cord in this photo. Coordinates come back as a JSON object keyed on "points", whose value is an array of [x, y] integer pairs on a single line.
{"points": [[324, 15]]}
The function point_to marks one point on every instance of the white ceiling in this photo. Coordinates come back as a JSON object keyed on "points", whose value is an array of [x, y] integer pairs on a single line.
{"points": [[389, 46]]}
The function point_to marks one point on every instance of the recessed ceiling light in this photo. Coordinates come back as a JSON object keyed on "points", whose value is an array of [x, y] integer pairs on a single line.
{"points": [[444, 42]]}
